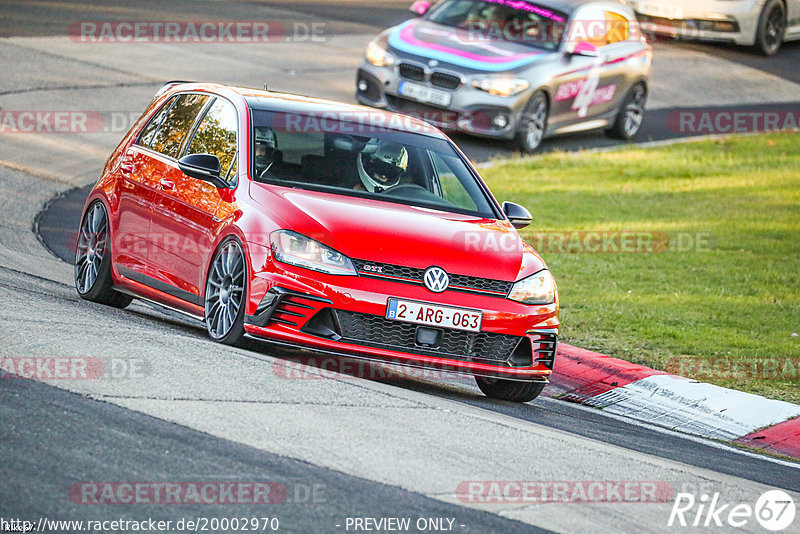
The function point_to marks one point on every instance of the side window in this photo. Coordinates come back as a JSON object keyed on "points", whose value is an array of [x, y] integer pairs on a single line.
{"points": [[231, 177], [589, 26], [147, 133], [617, 27], [452, 188], [180, 118], [217, 134]]}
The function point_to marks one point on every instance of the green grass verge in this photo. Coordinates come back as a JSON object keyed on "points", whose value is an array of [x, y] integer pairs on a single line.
{"points": [[731, 300]]}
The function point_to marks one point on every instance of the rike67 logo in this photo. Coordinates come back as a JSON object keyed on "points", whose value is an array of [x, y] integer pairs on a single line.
{"points": [[774, 510]]}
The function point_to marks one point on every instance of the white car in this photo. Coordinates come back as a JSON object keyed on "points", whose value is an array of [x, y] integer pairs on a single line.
{"points": [[764, 23]]}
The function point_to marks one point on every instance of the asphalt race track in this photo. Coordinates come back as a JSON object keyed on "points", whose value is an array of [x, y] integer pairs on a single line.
{"points": [[172, 406]]}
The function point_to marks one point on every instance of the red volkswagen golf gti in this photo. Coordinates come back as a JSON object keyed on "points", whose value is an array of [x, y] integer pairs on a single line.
{"points": [[323, 226]]}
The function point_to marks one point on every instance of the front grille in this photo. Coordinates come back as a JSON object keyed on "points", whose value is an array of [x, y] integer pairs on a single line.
{"points": [[655, 20], [442, 118], [411, 72], [690, 24], [405, 105], [446, 81], [379, 332], [458, 282], [480, 284]]}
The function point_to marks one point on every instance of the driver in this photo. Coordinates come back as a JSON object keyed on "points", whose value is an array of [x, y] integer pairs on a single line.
{"points": [[381, 165], [266, 146]]}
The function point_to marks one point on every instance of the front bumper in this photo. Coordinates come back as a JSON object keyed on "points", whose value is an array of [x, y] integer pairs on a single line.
{"points": [[733, 21], [470, 111], [345, 315]]}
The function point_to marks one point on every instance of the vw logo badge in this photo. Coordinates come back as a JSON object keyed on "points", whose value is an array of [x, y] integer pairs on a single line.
{"points": [[436, 279]]}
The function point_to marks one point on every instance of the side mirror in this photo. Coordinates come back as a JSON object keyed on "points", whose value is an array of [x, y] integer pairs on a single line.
{"points": [[420, 7], [518, 216], [581, 48], [204, 167]]}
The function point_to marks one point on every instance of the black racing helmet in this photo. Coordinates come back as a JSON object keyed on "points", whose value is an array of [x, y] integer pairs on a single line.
{"points": [[381, 164]]}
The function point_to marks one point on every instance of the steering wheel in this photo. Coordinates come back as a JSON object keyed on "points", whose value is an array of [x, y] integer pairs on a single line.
{"points": [[400, 188], [264, 173]]}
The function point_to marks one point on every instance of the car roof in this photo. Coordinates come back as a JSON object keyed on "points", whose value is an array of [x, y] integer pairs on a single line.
{"points": [[266, 100]]}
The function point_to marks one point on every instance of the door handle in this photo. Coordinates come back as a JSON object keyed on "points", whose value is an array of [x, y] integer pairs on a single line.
{"points": [[166, 185]]}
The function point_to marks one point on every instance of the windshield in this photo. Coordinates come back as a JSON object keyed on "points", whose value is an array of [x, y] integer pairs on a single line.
{"points": [[504, 20], [350, 158]]}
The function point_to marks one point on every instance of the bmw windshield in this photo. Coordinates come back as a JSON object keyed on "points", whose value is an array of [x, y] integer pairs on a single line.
{"points": [[365, 160], [506, 20]]}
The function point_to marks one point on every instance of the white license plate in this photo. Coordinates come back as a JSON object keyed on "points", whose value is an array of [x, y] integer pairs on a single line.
{"points": [[657, 9], [415, 312], [425, 94]]}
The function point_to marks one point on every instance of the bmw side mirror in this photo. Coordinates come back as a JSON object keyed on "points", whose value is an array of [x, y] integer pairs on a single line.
{"points": [[204, 167], [518, 216], [581, 48], [420, 7]]}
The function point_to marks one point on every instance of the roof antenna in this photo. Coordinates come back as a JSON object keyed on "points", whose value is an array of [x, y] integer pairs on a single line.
{"points": [[265, 87]]}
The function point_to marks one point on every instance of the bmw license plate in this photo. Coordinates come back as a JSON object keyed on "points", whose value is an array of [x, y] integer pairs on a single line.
{"points": [[425, 94], [411, 311]]}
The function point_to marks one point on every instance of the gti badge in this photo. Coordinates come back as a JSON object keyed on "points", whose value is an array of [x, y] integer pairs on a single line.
{"points": [[372, 268], [436, 279]]}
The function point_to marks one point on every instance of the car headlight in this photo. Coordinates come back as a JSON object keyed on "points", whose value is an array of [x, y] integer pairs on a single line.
{"points": [[500, 86], [296, 249], [539, 288], [378, 56]]}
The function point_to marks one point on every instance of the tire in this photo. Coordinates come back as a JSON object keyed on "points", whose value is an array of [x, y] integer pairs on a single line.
{"points": [[631, 115], [533, 123], [93, 260], [509, 390], [226, 294], [771, 28]]}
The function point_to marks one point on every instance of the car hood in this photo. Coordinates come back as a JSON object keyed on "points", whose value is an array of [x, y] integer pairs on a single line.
{"points": [[386, 232], [459, 47]]}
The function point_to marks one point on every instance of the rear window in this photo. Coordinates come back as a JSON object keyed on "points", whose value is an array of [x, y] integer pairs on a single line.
{"points": [[150, 130]]}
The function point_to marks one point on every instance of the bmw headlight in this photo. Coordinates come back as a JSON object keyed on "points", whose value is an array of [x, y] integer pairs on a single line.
{"points": [[296, 249], [378, 56], [539, 288], [500, 86]]}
